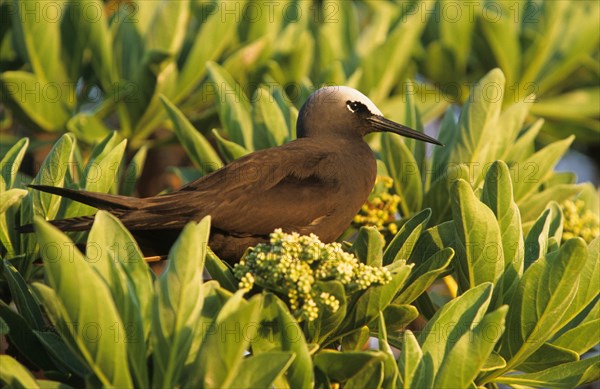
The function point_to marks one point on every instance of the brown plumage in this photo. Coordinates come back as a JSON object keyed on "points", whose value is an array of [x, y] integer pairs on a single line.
{"points": [[315, 184]]}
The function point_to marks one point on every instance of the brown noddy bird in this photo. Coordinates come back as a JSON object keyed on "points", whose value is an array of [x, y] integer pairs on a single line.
{"points": [[314, 184]]}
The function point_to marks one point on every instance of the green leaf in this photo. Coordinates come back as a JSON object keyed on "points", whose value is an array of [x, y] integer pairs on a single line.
{"points": [[403, 168], [37, 99], [271, 125], [469, 353], [411, 368], [178, 303], [497, 195], [9, 199], [537, 240], [133, 172], [261, 370], [479, 254], [23, 339], [230, 150], [477, 124], [584, 335], [167, 28], [424, 274], [530, 173], [234, 109], [548, 355], [57, 347], [10, 164], [535, 204], [88, 127], [16, 375], [202, 154], [53, 172], [203, 50], [68, 274], [375, 299], [568, 375], [401, 247], [220, 272], [368, 246], [114, 254], [22, 297], [279, 332], [397, 317], [317, 331], [222, 353], [433, 240], [341, 366], [550, 283], [452, 321]]}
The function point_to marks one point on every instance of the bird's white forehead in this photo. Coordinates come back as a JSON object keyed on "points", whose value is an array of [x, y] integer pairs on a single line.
{"points": [[336, 95]]}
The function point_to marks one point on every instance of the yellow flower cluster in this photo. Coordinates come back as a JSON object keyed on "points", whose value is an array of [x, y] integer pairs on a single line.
{"points": [[381, 208], [291, 264], [579, 221]]}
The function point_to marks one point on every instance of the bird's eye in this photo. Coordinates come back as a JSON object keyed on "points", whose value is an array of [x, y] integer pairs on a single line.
{"points": [[355, 106]]}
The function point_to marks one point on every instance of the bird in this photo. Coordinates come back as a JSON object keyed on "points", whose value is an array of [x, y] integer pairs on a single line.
{"points": [[314, 184]]}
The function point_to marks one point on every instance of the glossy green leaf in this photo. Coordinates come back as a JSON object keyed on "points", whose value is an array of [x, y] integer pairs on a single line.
{"points": [[424, 274], [535, 204], [222, 352], [261, 370], [53, 172], [403, 244], [432, 240], [87, 127], [38, 99], [374, 299], [479, 255], [16, 375], [317, 331], [200, 151], [397, 317], [229, 150], [410, 366], [178, 303], [23, 299], [477, 124], [549, 283], [22, 337], [582, 336], [10, 164], [452, 321], [167, 27], [403, 168], [9, 199], [220, 272], [568, 375], [497, 195], [204, 49], [368, 246], [114, 254], [279, 332], [271, 125], [470, 351], [133, 172], [548, 355], [530, 173], [234, 108], [341, 366], [69, 274]]}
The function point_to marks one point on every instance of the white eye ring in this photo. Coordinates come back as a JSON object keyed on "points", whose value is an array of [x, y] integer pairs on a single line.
{"points": [[354, 106]]}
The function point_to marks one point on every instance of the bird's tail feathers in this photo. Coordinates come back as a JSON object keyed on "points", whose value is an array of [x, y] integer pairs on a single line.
{"points": [[82, 223], [95, 199]]}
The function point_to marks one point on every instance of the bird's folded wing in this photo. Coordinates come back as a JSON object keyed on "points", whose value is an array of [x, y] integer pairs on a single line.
{"points": [[288, 187]]}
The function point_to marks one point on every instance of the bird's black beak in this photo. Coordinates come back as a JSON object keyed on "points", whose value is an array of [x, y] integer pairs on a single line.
{"points": [[382, 124]]}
